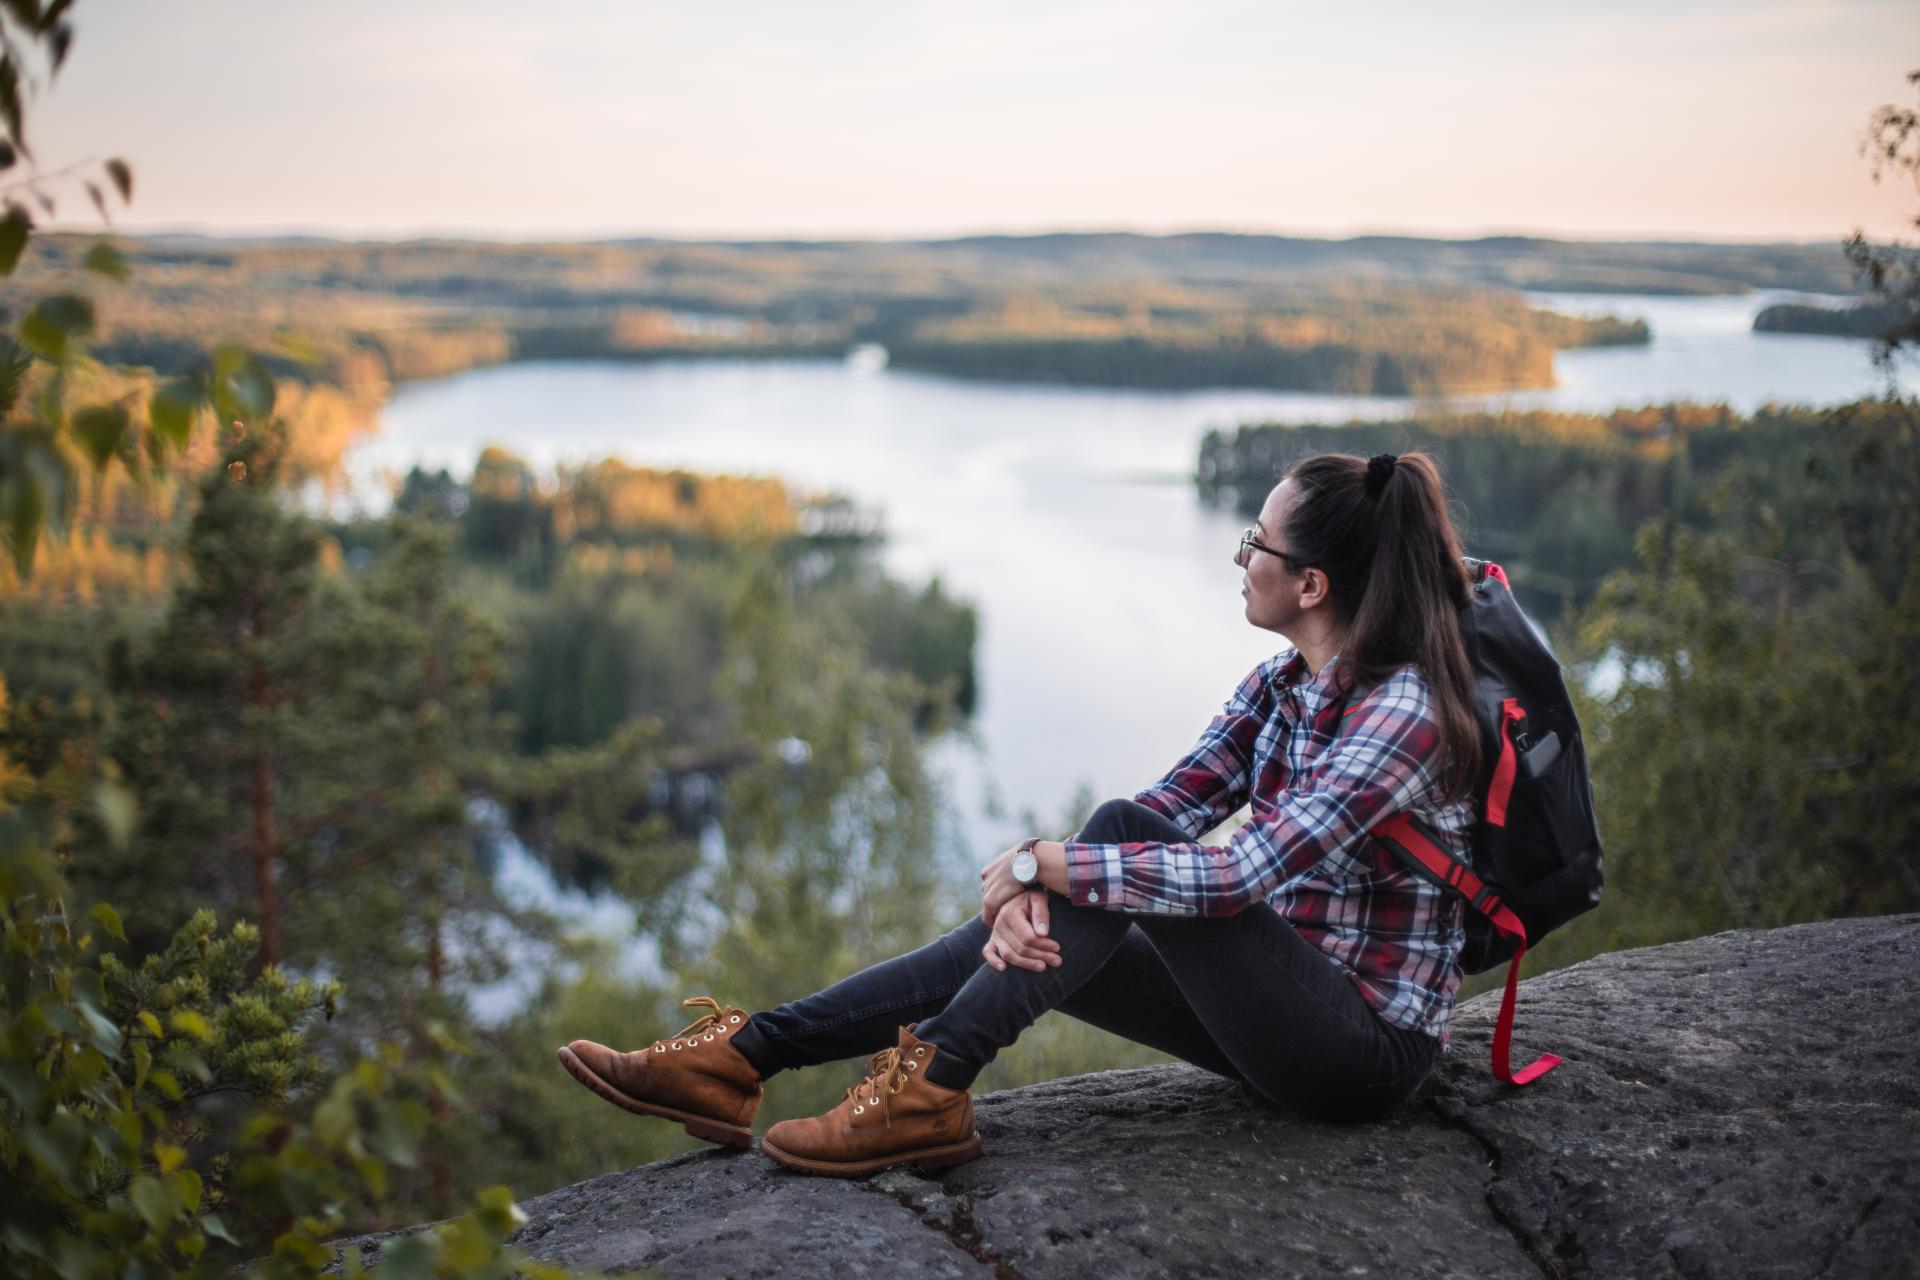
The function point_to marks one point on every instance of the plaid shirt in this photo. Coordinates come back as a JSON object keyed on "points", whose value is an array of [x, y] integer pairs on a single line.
{"points": [[1318, 774]]}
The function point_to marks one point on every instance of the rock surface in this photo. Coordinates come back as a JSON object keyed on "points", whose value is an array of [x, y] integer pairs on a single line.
{"points": [[1743, 1105]]}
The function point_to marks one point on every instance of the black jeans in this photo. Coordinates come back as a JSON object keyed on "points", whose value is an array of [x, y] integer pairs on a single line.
{"points": [[1244, 996]]}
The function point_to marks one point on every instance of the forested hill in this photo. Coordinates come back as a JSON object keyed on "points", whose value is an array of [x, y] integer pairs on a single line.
{"points": [[431, 308], [1368, 316], [1515, 262]]}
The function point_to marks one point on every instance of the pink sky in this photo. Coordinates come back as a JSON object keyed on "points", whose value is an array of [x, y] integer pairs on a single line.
{"points": [[593, 117]]}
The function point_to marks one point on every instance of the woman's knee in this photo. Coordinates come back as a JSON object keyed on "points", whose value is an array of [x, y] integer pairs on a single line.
{"points": [[1116, 820], [965, 940]]}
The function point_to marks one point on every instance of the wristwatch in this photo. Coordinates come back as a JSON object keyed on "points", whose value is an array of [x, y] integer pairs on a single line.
{"points": [[1026, 867]]}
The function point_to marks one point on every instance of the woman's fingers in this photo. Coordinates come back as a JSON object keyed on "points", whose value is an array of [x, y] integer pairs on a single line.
{"points": [[1041, 914], [1019, 944], [999, 953]]}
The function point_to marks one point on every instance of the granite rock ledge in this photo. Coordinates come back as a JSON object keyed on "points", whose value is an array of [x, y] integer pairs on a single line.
{"points": [[1741, 1105]]}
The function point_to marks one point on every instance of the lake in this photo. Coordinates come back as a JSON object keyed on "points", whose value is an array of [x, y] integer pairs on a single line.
{"points": [[1110, 612]]}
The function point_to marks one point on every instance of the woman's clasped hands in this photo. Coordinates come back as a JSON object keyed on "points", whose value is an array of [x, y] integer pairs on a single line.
{"points": [[1020, 935], [1019, 917]]}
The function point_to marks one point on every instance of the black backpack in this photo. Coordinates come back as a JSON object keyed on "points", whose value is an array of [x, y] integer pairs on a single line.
{"points": [[1534, 858]]}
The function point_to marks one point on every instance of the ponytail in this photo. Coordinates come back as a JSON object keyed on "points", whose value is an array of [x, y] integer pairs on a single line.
{"points": [[1379, 529]]}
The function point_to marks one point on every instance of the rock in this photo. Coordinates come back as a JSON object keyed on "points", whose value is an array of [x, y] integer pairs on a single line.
{"points": [[1741, 1105]]}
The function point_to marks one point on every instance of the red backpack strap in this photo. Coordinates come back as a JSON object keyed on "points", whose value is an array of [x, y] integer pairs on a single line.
{"points": [[1400, 831], [1500, 789]]}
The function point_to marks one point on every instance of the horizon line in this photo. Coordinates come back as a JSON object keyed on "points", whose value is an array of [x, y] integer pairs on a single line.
{"points": [[482, 235]]}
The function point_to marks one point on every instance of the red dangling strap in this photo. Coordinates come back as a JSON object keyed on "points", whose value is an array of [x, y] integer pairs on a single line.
{"points": [[1400, 831], [1509, 924], [1501, 788]]}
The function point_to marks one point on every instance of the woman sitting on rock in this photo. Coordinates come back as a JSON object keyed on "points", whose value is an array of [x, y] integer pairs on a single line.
{"points": [[1297, 957]]}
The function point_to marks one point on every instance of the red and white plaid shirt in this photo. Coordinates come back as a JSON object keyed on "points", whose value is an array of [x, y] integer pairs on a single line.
{"points": [[1319, 771]]}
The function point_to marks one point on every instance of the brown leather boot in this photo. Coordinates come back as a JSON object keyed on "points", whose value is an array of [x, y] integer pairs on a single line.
{"points": [[696, 1077], [894, 1116]]}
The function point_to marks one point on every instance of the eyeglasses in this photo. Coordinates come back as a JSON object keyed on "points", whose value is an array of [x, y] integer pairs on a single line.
{"points": [[1250, 541]]}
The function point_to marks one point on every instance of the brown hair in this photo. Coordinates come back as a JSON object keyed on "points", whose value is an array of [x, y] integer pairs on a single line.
{"points": [[1380, 531]]}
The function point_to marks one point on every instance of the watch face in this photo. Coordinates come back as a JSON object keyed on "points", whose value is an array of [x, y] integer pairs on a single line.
{"points": [[1025, 867]]}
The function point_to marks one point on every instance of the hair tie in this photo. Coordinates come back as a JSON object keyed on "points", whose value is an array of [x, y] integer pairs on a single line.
{"points": [[1379, 471]]}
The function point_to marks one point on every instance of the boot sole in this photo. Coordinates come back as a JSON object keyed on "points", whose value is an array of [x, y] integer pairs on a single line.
{"points": [[705, 1128], [927, 1158]]}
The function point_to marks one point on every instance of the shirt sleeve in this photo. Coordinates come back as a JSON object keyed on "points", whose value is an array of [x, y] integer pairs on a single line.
{"points": [[1208, 784], [1384, 762]]}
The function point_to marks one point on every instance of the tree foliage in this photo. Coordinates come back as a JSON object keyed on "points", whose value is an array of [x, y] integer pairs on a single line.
{"points": [[1892, 271], [106, 1066], [48, 438]]}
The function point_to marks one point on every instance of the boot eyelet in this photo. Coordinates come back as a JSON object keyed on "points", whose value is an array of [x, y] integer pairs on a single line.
{"points": [[734, 1018], [858, 1110], [912, 1065], [708, 1036], [920, 1052]]}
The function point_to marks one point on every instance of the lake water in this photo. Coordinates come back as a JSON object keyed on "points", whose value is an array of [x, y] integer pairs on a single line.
{"points": [[1110, 612]]}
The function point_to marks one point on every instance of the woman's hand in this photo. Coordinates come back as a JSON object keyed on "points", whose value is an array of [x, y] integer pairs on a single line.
{"points": [[997, 886], [1019, 935]]}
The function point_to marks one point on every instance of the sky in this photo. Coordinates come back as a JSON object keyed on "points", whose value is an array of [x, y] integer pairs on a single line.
{"points": [[1697, 119]]}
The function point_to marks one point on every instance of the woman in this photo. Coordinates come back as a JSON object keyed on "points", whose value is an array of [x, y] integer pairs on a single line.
{"points": [[1297, 957]]}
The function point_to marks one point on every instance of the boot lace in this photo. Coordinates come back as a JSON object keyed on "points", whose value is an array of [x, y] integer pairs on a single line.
{"points": [[713, 1019], [886, 1076]]}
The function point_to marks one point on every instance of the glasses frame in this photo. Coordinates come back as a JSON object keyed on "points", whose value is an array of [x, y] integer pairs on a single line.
{"points": [[1250, 541]]}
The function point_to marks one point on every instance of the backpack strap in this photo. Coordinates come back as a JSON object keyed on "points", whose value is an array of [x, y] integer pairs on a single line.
{"points": [[1407, 842], [1500, 789]]}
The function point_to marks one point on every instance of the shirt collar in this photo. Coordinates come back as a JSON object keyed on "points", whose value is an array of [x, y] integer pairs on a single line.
{"points": [[1331, 681]]}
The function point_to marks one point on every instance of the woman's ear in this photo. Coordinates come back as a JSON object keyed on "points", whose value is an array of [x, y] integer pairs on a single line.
{"points": [[1315, 588]]}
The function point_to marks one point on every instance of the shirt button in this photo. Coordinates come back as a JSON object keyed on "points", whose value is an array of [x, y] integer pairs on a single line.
{"points": [[1093, 895]]}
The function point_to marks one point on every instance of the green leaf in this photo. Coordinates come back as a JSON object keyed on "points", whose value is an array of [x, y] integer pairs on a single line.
{"points": [[172, 410], [168, 1157], [37, 487], [152, 1024], [114, 803], [187, 1188], [217, 1229], [333, 1120], [242, 390], [407, 1257], [109, 920], [14, 229], [122, 178], [142, 1063], [52, 324], [154, 1201], [192, 1023], [104, 259], [99, 429], [497, 1211], [302, 1249]]}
